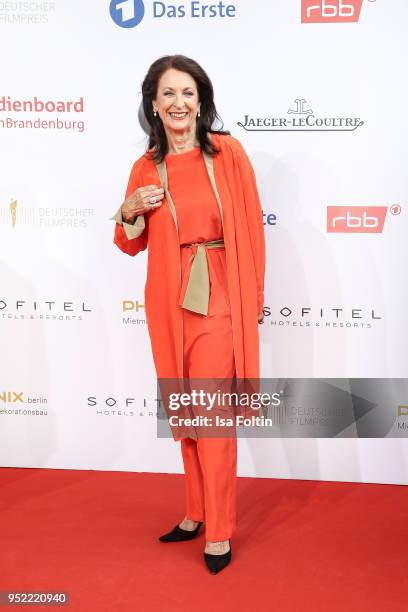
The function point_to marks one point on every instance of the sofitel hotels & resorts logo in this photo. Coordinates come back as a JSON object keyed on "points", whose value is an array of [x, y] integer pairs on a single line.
{"points": [[325, 317], [124, 406], [300, 118], [48, 309], [130, 13]]}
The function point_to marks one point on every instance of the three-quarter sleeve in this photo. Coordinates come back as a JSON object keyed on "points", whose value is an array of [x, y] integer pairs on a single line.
{"points": [[131, 238]]}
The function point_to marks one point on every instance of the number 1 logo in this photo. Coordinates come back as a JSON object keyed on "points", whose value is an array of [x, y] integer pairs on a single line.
{"points": [[127, 13]]}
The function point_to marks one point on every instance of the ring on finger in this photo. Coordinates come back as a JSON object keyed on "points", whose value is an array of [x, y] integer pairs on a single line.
{"points": [[152, 200]]}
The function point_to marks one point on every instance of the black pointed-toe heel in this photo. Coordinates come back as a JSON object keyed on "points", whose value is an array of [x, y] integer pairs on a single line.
{"points": [[180, 535], [216, 563]]}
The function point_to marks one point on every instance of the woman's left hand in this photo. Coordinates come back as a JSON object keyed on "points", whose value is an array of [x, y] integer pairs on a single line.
{"points": [[261, 317]]}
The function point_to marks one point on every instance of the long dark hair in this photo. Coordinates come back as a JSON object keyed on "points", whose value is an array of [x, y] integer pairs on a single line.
{"points": [[158, 145]]}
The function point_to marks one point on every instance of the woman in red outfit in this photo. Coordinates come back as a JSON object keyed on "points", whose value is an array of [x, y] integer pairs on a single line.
{"points": [[192, 198]]}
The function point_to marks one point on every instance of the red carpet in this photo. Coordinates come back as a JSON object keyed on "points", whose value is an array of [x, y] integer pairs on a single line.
{"points": [[300, 545]]}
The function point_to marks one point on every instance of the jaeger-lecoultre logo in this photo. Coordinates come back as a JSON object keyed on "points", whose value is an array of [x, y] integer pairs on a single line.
{"points": [[300, 118]]}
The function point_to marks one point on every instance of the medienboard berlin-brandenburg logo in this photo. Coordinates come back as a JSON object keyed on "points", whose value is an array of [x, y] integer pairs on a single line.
{"points": [[127, 13]]}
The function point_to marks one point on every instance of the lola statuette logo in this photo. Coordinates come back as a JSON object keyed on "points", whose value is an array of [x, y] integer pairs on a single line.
{"points": [[13, 212]]}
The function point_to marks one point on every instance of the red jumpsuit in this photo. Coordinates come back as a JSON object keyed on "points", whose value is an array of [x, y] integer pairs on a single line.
{"points": [[209, 463]]}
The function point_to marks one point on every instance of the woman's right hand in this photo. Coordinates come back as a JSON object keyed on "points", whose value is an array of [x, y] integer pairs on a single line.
{"points": [[138, 203]]}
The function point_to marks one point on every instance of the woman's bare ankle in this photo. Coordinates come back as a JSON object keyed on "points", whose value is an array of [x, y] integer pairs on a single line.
{"points": [[217, 548], [188, 524]]}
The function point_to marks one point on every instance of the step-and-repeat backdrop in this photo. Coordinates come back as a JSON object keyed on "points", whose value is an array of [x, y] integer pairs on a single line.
{"points": [[315, 91]]}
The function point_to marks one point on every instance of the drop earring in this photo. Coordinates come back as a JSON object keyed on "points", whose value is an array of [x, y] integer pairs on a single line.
{"points": [[155, 112], [198, 114]]}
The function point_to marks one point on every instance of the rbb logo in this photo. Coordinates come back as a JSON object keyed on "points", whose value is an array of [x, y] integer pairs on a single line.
{"points": [[330, 11], [356, 219], [127, 13]]}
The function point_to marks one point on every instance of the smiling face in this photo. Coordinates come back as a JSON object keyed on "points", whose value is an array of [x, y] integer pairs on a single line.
{"points": [[177, 101]]}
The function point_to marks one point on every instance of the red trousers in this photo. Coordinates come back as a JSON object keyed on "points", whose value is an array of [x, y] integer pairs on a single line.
{"points": [[210, 464]]}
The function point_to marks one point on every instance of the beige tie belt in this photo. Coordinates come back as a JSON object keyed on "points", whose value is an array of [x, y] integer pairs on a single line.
{"points": [[197, 285], [197, 292]]}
